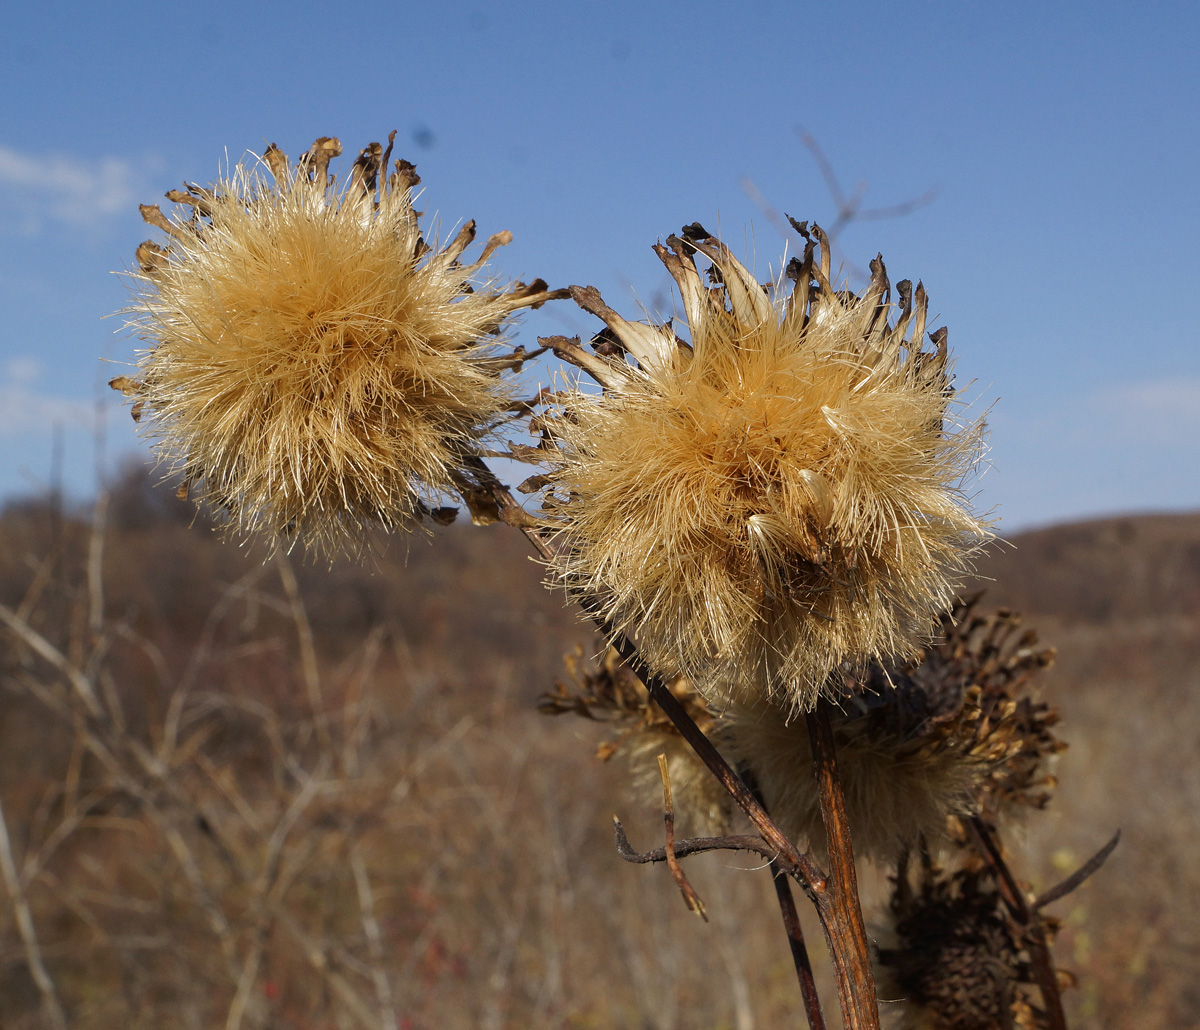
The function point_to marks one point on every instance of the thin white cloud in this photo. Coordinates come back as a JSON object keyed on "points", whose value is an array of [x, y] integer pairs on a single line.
{"points": [[25, 410], [1156, 412], [35, 189]]}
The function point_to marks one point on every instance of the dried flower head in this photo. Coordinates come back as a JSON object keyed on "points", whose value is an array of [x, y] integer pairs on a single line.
{"points": [[954, 733], [606, 691], [315, 367], [778, 497], [955, 960]]}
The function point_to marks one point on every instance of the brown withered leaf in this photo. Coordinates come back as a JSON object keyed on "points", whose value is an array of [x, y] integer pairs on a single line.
{"points": [[127, 385]]}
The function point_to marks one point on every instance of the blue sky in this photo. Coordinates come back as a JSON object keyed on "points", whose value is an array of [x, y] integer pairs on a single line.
{"points": [[1062, 140]]}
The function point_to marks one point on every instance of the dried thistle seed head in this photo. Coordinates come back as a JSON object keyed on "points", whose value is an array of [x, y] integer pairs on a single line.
{"points": [[954, 733], [953, 960], [776, 499], [315, 368], [897, 792], [606, 691], [953, 955]]}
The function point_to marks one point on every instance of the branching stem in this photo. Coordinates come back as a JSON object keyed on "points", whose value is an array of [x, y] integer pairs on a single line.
{"points": [[836, 896]]}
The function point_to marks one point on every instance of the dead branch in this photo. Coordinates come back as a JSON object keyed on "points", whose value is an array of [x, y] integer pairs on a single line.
{"points": [[690, 897], [688, 847], [1076, 879], [51, 1006]]}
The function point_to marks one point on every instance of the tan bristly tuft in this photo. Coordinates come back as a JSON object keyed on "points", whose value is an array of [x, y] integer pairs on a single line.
{"points": [[958, 733], [896, 791], [315, 367], [776, 499]]}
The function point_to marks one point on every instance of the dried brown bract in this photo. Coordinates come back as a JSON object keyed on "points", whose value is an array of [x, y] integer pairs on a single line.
{"points": [[973, 690], [316, 367], [775, 499]]}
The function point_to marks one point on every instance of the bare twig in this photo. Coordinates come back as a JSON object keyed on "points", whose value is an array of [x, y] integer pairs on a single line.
{"points": [[1041, 960], [366, 904], [95, 565], [795, 936], [849, 207], [690, 897], [794, 932], [80, 684], [308, 651], [51, 1006], [1076, 879], [688, 847]]}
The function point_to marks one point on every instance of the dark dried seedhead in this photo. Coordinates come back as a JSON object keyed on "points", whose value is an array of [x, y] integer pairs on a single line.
{"points": [[955, 960]]}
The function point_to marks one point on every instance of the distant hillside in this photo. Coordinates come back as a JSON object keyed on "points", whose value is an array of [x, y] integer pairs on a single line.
{"points": [[1130, 567]]}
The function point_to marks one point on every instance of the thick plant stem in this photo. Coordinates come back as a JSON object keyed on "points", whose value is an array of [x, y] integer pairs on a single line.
{"points": [[841, 913]]}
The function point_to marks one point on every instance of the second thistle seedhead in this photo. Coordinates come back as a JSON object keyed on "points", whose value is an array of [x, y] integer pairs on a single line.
{"points": [[315, 368], [958, 734], [776, 499]]}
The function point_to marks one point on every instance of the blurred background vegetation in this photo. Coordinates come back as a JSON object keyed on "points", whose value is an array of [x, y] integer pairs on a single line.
{"points": [[303, 796]]}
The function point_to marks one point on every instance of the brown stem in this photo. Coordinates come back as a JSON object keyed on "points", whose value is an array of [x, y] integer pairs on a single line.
{"points": [[1040, 959], [690, 897], [841, 913], [795, 936], [792, 928]]}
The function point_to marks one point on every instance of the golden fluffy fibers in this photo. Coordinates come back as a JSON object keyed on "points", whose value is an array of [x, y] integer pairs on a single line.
{"points": [[775, 500], [315, 367]]}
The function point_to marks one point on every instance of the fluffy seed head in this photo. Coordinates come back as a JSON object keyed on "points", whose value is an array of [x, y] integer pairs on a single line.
{"points": [[957, 733], [779, 497], [315, 367]]}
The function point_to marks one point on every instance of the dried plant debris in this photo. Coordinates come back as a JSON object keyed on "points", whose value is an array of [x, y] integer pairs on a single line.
{"points": [[776, 498], [954, 959], [315, 366]]}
